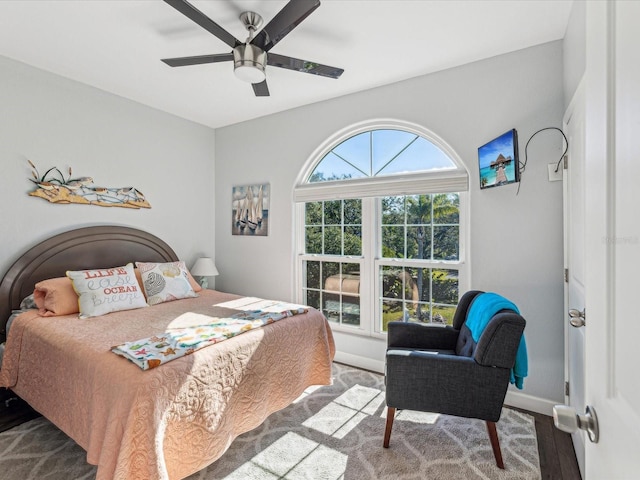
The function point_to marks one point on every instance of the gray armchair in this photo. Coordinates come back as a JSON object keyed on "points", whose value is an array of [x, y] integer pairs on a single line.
{"points": [[443, 370]]}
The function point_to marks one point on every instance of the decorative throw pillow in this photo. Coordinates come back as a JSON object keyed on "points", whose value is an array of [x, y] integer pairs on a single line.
{"points": [[192, 281], [106, 290], [164, 282], [56, 296]]}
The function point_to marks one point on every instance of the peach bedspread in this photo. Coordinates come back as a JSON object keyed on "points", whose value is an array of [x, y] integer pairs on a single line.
{"points": [[171, 421]]}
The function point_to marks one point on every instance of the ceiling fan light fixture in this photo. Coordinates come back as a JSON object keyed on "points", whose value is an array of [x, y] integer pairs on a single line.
{"points": [[250, 57], [249, 62]]}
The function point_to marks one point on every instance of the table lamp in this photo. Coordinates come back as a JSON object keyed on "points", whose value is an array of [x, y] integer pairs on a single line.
{"points": [[204, 267]]}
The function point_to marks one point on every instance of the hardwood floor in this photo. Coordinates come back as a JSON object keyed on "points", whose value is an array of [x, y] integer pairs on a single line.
{"points": [[557, 458]]}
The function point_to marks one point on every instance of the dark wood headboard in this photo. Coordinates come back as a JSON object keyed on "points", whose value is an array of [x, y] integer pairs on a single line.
{"points": [[80, 249]]}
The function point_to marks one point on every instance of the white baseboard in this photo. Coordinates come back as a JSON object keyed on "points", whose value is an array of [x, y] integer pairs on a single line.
{"points": [[529, 402], [513, 399], [360, 362]]}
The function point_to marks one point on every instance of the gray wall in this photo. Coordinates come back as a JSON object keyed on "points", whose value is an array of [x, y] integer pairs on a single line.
{"points": [[516, 240], [575, 50], [53, 121]]}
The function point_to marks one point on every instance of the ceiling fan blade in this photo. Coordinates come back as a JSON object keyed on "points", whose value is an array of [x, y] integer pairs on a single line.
{"points": [[205, 22], [261, 89], [303, 66], [285, 20], [198, 60]]}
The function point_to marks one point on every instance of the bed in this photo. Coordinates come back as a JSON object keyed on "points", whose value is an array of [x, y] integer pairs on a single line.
{"points": [[167, 422]]}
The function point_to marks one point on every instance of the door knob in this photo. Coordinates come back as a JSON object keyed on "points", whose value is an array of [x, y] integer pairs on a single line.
{"points": [[566, 419], [577, 318]]}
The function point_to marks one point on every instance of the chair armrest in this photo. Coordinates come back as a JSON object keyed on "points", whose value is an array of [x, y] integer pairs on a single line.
{"points": [[417, 336], [498, 344], [448, 384]]}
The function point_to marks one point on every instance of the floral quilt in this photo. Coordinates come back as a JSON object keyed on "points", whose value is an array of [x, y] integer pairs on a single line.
{"points": [[194, 331]]}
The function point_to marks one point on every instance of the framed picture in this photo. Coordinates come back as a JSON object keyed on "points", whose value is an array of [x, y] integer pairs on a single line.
{"points": [[250, 210], [498, 161]]}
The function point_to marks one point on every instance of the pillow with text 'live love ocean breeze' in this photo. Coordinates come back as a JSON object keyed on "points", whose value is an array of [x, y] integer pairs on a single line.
{"points": [[106, 290], [164, 282]]}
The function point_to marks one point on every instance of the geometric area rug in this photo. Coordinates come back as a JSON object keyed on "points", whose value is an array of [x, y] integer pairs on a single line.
{"points": [[330, 433]]}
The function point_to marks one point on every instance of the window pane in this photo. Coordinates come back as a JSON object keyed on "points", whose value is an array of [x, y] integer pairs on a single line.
{"points": [[333, 212], [333, 240], [418, 209], [352, 241], [393, 242], [387, 145], [331, 276], [445, 286], [446, 243], [313, 274], [419, 155], [351, 269], [350, 294], [443, 314], [353, 212], [313, 240], [351, 310], [313, 299], [391, 311], [446, 209], [350, 288], [340, 292], [331, 294], [419, 242], [420, 285], [418, 312], [332, 167], [331, 306], [391, 282], [393, 211], [313, 213], [356, 151], [409, 286]]}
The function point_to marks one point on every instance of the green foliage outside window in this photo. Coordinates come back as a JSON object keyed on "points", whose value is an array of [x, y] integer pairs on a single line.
{"points": [[334, 227], [420, 227]]}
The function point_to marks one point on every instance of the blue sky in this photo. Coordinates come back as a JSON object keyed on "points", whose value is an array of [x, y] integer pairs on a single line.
{"points": [[419, 155], [490, 151]]}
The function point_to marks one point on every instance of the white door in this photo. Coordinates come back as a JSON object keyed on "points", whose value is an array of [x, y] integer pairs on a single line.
{"points": [[612, 237], [574, 258]]}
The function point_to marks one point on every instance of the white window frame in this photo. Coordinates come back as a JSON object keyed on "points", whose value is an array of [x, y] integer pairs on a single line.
{"points": [[370, 190]]}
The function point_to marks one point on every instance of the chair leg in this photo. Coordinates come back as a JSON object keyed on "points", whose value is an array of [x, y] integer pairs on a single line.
{"points": [[391, 413], [495, 443]]}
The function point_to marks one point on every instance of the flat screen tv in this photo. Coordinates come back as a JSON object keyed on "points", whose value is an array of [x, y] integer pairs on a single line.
{"points": [[498, 161]]}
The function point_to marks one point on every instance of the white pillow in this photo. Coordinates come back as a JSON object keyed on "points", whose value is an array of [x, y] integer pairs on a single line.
{"points": [[106, 290], [164, 282]]}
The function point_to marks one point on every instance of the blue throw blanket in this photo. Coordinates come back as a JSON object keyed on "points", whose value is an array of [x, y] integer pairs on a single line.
{"points": [[482, 309]]}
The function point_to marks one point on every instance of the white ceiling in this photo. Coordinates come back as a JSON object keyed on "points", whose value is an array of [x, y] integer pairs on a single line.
{"points": [[116, 45]]}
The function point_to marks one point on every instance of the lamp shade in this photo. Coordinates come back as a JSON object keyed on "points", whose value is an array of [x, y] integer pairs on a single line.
{"points": [[204, 267]]}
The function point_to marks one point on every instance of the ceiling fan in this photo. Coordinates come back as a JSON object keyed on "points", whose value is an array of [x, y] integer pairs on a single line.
{"points": [[250, 57]]}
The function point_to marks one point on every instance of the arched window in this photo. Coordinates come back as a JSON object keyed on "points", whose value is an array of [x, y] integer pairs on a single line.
{"points": [[381, 212], [378, 153]]}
